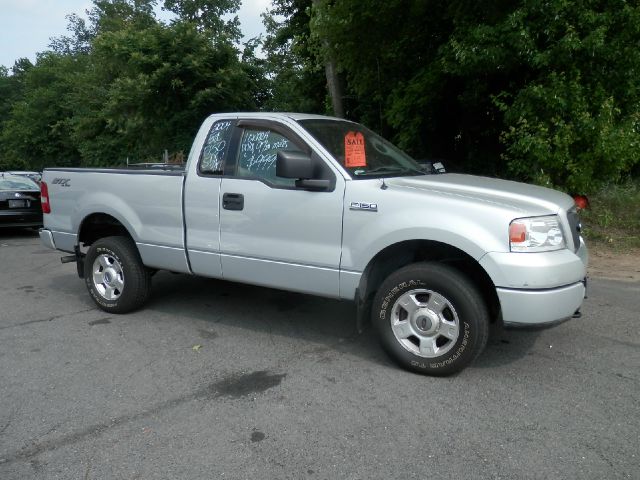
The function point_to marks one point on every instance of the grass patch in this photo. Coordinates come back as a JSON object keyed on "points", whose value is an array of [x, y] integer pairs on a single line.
{"points": [[613, 218]]}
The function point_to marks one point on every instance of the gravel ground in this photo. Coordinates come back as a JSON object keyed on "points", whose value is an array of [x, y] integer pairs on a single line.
{"points": [[614, 264], [220, 380]]}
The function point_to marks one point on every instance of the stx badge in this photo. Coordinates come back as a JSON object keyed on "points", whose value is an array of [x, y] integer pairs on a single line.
{"points": [[63, 182]]}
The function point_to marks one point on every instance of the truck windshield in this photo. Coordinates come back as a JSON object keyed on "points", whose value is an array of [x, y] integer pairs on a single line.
{"points": [[363, 153]]}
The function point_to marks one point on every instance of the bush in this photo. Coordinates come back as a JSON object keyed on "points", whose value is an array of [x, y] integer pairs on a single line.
{"points": [[614, 215]]}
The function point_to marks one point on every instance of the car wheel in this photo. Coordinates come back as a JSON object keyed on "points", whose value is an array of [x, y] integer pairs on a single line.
{"points": [[116, 278], [430, 318]]}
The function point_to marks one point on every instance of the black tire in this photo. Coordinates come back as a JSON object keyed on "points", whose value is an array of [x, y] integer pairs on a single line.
{"points": [[128, 277], [414, 286]]}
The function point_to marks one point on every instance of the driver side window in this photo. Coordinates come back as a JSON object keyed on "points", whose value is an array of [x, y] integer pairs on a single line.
{"points": [[257, 156]]}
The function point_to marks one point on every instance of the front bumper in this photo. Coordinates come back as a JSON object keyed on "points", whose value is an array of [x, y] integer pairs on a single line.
{"points": [[539, 308], [538, 289]]}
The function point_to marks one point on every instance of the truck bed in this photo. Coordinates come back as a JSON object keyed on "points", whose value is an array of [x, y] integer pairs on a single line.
{"points": [[148, 202]]}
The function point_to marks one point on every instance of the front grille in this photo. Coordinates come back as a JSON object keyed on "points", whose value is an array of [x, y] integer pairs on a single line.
{"points": [[574, 225]]}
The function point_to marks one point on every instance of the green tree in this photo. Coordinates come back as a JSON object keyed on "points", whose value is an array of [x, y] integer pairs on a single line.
{"points": [[148, 90], [124, 85], [114, 15], [543, 91], [12, 84], [209, 15], [296, 76], [575, 121], [396, 79], [80, 39], [37, 132]]}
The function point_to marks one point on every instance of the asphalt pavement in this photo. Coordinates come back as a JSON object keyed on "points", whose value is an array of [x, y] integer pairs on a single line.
{"points": [[221, 380]]}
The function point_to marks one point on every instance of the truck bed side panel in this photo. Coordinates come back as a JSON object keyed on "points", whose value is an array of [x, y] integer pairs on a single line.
{"points": [[148, 204]]}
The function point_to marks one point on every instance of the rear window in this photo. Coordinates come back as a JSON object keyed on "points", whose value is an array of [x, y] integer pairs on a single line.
{"points": [[215, 148], [17, 183]]}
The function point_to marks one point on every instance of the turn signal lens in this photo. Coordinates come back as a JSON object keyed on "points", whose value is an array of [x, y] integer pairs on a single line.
{"points": [[517, 233], [581, 201]]}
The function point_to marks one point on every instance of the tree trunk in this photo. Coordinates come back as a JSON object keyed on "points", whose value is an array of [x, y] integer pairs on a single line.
{"points": [[335, 87], [333, 80]]}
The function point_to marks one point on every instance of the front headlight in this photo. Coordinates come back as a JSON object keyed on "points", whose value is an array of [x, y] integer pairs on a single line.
{"points": [[536, 234]]}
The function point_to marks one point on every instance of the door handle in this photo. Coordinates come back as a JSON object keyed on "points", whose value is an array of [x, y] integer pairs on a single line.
{"points": [[233, 201]]}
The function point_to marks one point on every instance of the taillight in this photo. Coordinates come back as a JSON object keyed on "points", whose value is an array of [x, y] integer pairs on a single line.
{"points": [[44, 198]]}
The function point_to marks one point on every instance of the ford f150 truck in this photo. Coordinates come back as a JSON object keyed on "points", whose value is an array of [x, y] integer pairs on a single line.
{"points": [[325, 206]]}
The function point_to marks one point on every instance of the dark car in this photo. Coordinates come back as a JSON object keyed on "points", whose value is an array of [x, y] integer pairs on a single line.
{"points": [[19, 202], [35, 176]]}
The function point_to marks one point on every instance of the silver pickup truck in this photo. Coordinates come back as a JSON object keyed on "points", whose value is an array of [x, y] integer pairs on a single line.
{"points": [[325, 206]]}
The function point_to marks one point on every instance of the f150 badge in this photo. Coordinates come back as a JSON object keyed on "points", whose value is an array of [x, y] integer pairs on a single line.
{"points": [[370, 207]]}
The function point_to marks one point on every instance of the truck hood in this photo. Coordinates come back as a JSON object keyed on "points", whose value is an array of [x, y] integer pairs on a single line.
{"points": [[520, 197]]}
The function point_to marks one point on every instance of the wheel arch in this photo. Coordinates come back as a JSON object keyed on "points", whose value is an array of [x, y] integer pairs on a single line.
{"points": [[403, 253], [100, 225]]}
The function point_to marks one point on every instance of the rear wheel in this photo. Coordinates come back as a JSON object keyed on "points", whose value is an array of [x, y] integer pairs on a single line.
{"points": [[430, 318], [116, 278]]}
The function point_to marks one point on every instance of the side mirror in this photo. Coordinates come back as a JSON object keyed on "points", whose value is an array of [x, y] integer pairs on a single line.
{"points": [[299, 165], [293, 165]]}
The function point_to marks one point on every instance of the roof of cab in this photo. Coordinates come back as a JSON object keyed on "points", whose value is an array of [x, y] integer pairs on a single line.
{"points": [[291, 115]]}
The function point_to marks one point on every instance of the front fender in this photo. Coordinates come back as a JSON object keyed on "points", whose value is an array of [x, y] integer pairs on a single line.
{"points": [[364, 238]]}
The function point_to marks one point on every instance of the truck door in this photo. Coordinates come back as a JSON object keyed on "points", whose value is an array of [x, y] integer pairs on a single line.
{"points": [[202, 200], [272, 233]]}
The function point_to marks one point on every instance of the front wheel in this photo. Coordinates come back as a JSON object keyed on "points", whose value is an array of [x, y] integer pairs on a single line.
{"points": [[430, 318], [116, 278]]}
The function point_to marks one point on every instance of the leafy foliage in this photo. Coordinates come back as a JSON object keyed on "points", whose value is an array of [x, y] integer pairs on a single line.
{"points": [[37, 132], [572, 117], [125, 85], [614, 215], [208, 15], [296, 78], [541, 91], [161, 82]]}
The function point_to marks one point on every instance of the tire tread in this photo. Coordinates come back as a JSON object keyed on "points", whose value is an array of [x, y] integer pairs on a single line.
{"points": [[137, 277], [458, 282]]}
